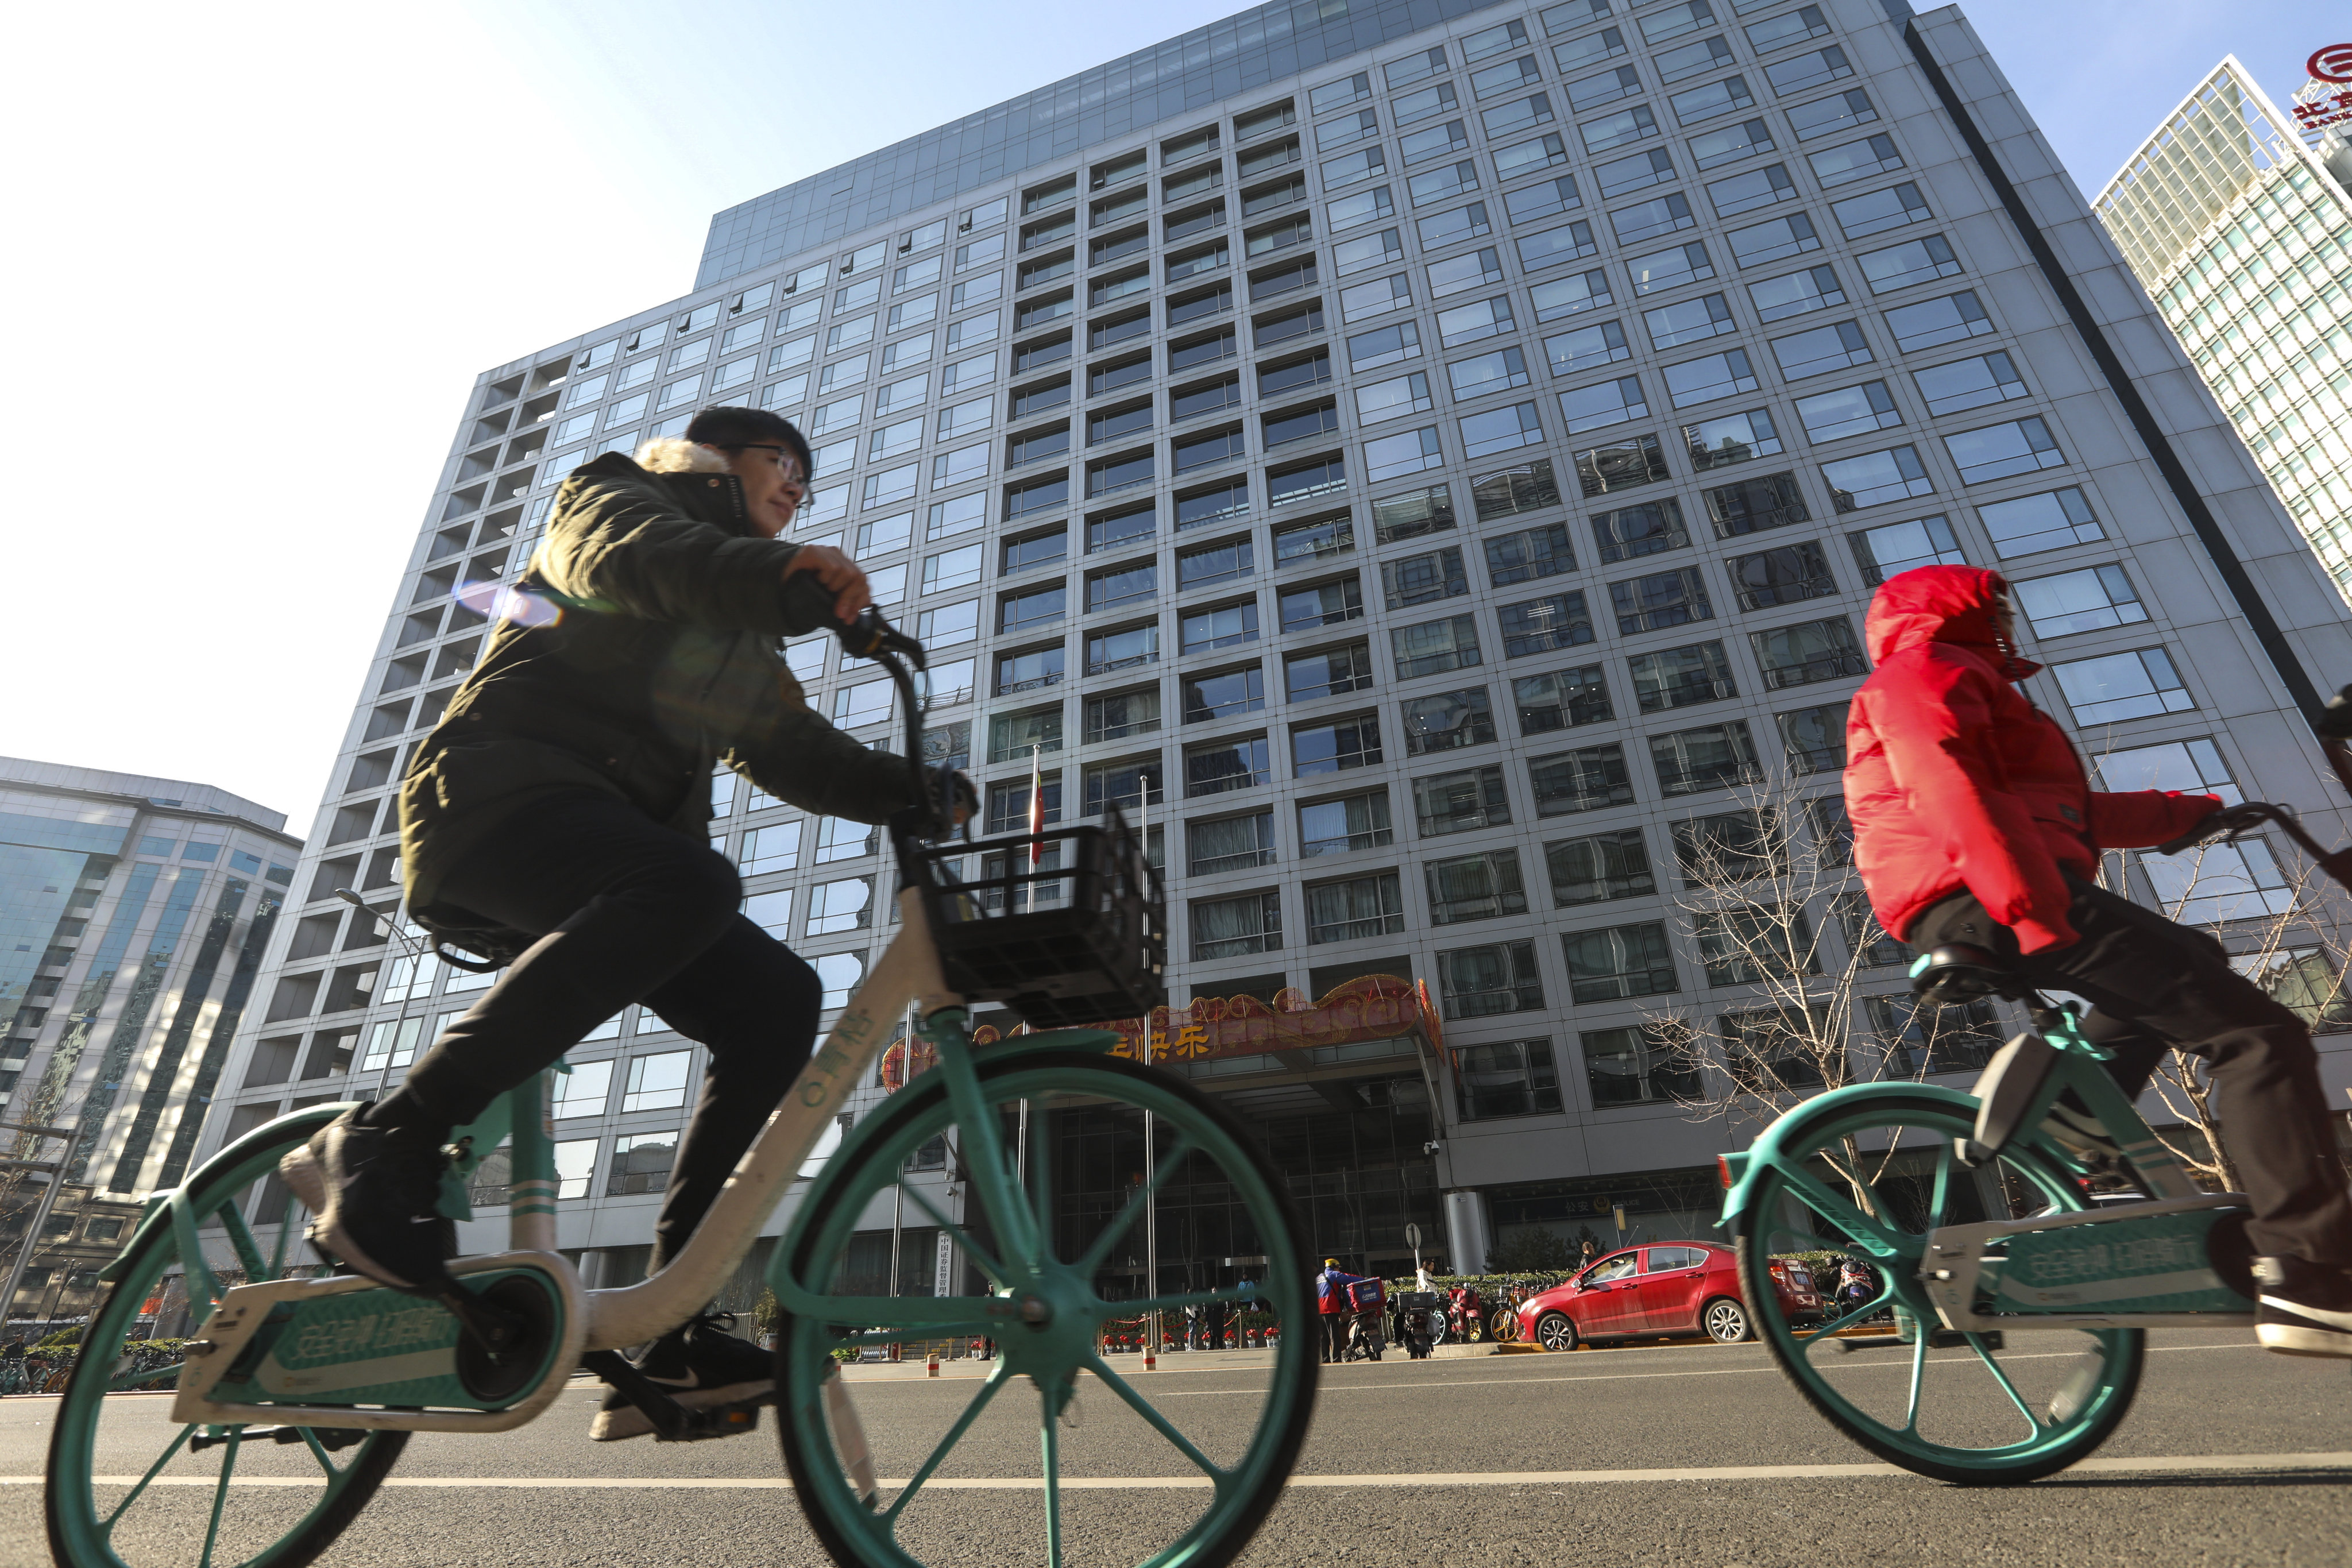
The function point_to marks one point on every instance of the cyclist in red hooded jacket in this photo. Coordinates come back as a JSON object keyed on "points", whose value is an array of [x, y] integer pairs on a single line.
{"points": [[1975, 821]]}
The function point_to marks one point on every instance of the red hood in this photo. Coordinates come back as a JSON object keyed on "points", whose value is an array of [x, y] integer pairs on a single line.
{"points": [[1941, 603]]}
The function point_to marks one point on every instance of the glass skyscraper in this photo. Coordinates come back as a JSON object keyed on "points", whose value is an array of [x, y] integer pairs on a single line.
{"points": [[2242, 233], [1433, 459], [135, 915]]}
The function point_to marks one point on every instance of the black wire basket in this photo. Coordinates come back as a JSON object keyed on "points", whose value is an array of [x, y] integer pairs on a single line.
{"points": [[1079, 936]]}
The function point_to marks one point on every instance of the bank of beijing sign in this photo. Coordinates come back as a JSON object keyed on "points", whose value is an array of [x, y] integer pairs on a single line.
{"points": [[2327, 98]]}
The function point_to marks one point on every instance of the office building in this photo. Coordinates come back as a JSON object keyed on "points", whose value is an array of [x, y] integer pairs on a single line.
{"points": [[134, 914], [1433, 459], [2240, 229]]}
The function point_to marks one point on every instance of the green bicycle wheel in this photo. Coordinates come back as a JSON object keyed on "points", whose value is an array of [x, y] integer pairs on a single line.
{"points": [[1974, 1409], [129, 1488], [1083, 1465]]}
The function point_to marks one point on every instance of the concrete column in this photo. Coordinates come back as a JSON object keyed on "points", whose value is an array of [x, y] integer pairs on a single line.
{"points": [[1466, 1227]]}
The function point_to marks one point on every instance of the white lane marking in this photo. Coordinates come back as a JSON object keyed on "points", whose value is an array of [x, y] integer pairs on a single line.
{"points": [[1841, 1364], [2138, 1466]]}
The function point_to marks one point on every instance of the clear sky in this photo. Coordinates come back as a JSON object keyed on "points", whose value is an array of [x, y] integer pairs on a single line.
{"points": [[261, 251]]}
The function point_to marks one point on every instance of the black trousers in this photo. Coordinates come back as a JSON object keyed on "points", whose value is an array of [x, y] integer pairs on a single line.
{"points": [[626, 910], [2155, 985]]}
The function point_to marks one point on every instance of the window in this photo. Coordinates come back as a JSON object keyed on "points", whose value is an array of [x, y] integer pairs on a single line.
{"points": [[1597, 868], [1730, 847], [2002, 451], [1017, 736], [1808, 70], [1560, 700], [1372, 299], [1730, 143], [1757, 188], [1664, 270], [1112, 530], [1391, 399], [1121, 714], [1913, 261], [1227, 927], [1644, 528], [1585, 779], [1796, 293], [1636, 1066], [838, 838], [2194, 767], [1452, 228], [1222, 625], [1703, 380], [1897, 547], [1447, 720], [1483, 981], [2050, 520], [1226, 765], [1842, 165], [1649, 220], [1807, 652], [1335, 746], [1529, 554], [1712, 756], [1693, 59], [1586, 348], [1426, 578], [1437, 141], [1590, 92], [1814, 738], [1354, 168], [1502, 429], [1461, 801], [1433, 648], [2241, 880], [1442, 185], [641, 1163], [1229, 844], [1336, 826], [1529, 486], [1222, 694], [1320, 603], [1032, 551], [1731, 438], [1329, 672], [2093, 599], [1692, 321], [1037, 607], [1875, 477], [1334, 95], [838, 974], [1681, 677], [1132, 583], [1466, 887], [1788, 575], [2119, 685], [1209, 397], [1969, 383], [1410, 452], [657, 1082], [1363, 208], [1129, 785], [1547, 625], [1030, 671], [1610, 403], [775, 848], [1697, 104], [1387, 345], [1417, 106], [1409, 516], [1821, 349], [1879, 211], [867, 703], [949, 745], [1929, 322], [1209, 563], [1619, 962], [1346, 130], [585, 1090], [1660, 600], [1121, 647], [1848, 411], [845, 905], [1933, 1040], [1198, 508], [1356, 908], [1008, 804]]}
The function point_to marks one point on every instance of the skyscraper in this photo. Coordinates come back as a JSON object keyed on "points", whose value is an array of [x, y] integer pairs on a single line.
{"points": [[2242, 233], [134, 913], [1436, 459]]}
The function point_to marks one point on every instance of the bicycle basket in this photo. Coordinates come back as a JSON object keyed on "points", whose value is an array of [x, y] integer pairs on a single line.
{"points": [[1078, 937]]}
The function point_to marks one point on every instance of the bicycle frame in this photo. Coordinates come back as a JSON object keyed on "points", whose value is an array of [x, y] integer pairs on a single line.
{"points": [[1955, 1257]]}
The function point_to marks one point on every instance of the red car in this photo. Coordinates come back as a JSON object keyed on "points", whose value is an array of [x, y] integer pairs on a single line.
{"points": [[1649, 1292]]}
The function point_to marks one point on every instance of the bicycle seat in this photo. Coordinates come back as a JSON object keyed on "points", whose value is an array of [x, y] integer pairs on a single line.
{"points": [[1956, 972]]}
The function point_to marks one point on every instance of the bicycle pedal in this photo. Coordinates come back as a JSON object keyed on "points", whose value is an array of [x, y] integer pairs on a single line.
{"points": [[714, 1421]]}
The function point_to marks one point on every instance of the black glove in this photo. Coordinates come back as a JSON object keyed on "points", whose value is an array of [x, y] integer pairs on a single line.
{"points": [[2335, 719], [943, 786]]}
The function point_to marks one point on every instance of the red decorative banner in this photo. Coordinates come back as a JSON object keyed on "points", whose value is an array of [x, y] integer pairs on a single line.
{"points": [[1368, 1007]]}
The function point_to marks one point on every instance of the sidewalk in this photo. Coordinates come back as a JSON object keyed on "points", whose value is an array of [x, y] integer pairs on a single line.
{"points": [[1128, 1365]]}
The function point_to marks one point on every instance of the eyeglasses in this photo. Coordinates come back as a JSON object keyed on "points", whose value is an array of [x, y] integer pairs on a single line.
{"points": [[786, 458]]}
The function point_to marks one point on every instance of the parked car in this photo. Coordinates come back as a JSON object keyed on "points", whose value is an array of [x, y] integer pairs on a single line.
{"points": [[1667, 1288]]}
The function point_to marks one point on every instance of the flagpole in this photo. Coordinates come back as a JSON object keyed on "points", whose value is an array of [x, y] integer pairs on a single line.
{"points": [[1151, 1164]]}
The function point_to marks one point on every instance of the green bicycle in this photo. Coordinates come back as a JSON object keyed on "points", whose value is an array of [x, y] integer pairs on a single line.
{"points": [[1974, 1210], [308, 1388]]}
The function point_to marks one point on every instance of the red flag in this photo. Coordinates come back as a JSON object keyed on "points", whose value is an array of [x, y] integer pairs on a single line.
{"points": [[1036, 806]]}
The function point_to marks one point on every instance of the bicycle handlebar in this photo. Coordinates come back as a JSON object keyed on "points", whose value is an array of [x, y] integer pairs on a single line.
{"points": [[2231, 821]]}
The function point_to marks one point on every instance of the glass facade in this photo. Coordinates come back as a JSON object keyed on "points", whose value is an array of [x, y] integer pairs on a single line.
{"points": [[1478, 374], [2243, 237]]}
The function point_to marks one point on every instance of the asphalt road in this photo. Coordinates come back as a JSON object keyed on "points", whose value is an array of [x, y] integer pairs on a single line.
{"points": [[1690, 1454]]}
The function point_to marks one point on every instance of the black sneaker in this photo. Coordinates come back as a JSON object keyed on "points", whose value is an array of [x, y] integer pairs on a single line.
{"points": [[374, 1194], [699, 1367], [2305, 1308]]}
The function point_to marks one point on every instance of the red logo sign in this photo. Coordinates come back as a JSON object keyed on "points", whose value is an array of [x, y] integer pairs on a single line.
{"points": [[2333, 63]]}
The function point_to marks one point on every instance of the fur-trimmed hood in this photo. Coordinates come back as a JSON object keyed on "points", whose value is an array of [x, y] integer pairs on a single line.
{"points": [[676, 455]]}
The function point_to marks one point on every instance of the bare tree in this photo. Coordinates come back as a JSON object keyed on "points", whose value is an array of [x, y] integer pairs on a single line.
{"points": [[2285, 925], [1762, 883]]}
